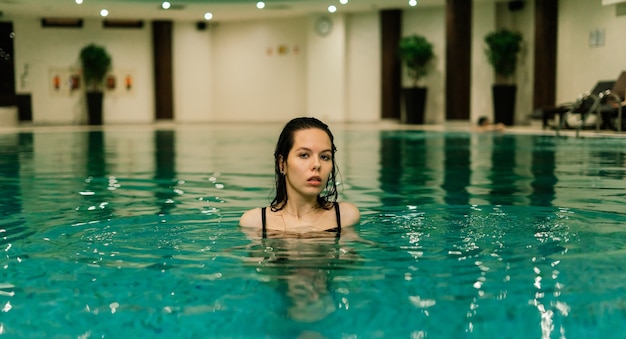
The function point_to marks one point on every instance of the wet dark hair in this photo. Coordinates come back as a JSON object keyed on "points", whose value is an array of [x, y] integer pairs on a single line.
{"points": [[284, 145], [482, 120]]}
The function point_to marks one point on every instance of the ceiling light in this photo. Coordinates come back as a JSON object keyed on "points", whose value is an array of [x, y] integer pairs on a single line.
{"points": [[208, 16], [78, 2], [332, 9], [343, 2], [104, 12], [413, 3], [260, 5], [166, 5]]}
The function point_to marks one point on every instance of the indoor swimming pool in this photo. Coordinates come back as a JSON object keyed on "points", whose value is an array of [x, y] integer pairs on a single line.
{"points": [[132, 231]]}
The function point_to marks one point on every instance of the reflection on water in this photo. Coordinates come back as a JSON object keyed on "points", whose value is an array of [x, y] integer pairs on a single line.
{"points": [[457, 170], [503, 165], [13, 150], [95, 155], [99, 175], [543, 168], [96, 193], [404, 161], [129, 233], [421, 168], [305, 271], [90, 176], [165, 170]]}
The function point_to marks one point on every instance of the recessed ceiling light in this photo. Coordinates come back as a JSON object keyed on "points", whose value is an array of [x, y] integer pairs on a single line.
{"points": [[260, 5], [104, 12], [413, 3], [208, 16], [166, 5], [332, 9], [78, 2], [343, 2]]}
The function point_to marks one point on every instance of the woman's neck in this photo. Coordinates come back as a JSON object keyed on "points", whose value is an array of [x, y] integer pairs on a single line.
{"points": [[300, 209]]}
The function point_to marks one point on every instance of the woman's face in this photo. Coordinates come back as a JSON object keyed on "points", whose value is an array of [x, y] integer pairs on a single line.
{"points": [[309, 163]]}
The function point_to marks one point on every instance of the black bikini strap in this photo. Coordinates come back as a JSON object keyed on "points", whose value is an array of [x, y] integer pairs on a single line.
{"points": [[338, 214], [263, 220]]}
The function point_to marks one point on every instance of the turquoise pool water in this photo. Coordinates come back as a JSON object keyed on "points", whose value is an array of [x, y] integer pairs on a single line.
{"points": [[132, 232]]}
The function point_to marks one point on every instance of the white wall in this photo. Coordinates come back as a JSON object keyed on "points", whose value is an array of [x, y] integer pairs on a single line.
{"points": [[481, 103], [363, 68], [193, 92], [487, 18], [255, 71], [326, 71], [579, 65], [234, 72], [522, 21], [39, 51], [258, 70], [429, 22], [612, 2]]}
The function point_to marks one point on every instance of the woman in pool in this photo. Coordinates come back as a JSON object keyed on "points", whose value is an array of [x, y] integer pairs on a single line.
{"points": [[306, 193]]}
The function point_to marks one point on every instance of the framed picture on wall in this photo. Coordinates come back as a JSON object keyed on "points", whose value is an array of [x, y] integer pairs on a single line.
{"points": [[64, 81], [120, 82]]}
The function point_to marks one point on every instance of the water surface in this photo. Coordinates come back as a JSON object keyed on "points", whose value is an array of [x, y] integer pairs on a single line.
{"points": [[133, 232]]}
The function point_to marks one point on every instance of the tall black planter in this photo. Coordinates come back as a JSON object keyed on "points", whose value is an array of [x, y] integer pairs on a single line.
{"points": [[94, 107], [504, 103], [415, 101]]}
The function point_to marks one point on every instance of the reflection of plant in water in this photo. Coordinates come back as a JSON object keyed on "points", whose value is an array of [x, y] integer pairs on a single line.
{"points": [[304, 270]]}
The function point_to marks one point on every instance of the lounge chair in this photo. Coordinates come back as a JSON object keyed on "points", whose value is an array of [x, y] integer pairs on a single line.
{"points": [[612, 106], [584, 112], [580, 106]]}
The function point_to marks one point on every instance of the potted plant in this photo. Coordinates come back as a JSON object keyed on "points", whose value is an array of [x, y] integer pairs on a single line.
{"points": [[502, 48], [95, 62], [416, 53]]}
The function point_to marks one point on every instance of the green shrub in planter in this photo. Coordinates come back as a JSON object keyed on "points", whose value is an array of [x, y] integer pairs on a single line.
{"points": [[95, 62], [502, 49], [416, 53]]}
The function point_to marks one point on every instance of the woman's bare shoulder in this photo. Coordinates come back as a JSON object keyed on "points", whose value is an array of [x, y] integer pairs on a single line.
{"points": [[251, 218], [350, 214]]}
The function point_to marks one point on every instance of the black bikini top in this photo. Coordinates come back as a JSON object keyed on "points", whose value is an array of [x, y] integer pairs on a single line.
{"points": [[335, 229]]}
